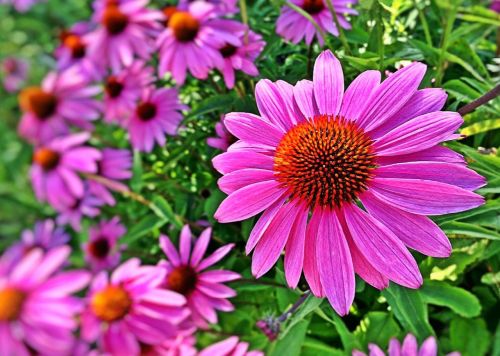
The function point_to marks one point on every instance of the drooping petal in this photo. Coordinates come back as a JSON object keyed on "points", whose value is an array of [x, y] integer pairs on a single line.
{"points": [[311, 271], [294, 256]]}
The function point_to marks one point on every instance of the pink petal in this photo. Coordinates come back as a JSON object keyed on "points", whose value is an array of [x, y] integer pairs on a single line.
{"points": [[294, 256], [272, 105], [311, 271], [232, 161], [328, 81], [252, 129], [233, 181], [200, 246], [429, 347], [358, 94], [304, 97], [215, 257], [185, 244], [433, 154], [169, 250]]}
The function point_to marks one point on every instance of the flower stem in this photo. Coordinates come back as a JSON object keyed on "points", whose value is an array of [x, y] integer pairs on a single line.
{"points": [[342, 36], [448, 26], [119, 188], [283, 317], [380, 37], [308, 17], [244, 17], [425, 25], [492, 94]]}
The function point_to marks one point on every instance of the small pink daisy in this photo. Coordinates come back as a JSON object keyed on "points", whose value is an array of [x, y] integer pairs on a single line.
{"points": [[123, 90], [242, 57], [203, 290], [130, 308], [223, 139], [14, 72], [63, 99], [316, 151], [294, 27], [223, 7], [156, 115], [192, 39], [102, 250], [230, 347], [54, 173], [126, 29], [37, 311]]}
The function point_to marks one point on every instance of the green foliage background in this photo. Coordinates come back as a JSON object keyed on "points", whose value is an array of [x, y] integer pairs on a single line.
{"points": [[459, 302]]}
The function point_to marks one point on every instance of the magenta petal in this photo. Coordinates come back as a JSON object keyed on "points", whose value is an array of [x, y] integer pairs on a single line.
{"points": [[382, 248], [304, 97], [224, 347], [358, 94], [433, 154], [232, 161], [200, 247], [336, 270], [416, 231], [248, 201], [328, 81], [375, 350], [215, 257], [253, 129], [424, 197], [394, 347], [311, 271], [294, 250], [410, 346], [429, 347], [233, 181], [185, 244], [270, 246], [169, 250], [272, 105]]}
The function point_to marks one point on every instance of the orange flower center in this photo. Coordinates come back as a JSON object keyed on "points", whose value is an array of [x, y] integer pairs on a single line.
{"points": [[40, 103], [99, 248], [184, 25], [146, 111], [324, 162], [182, 280], [113, 87], [313, 6], [168, 12], [228, 50], [48, 159], [75, 44], [112, 303], [11, 303], [114, 20]]}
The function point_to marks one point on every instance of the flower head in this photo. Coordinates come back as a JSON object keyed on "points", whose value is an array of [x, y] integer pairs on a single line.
{"points": [[495, 6], [37, 311], [317, 151], [223, 139], [155, 115], [192, 39], [294, 27], [230, 347], [186, 275], [102, 250], [64, 99], [89, 205], [222, 7], [129, 308], [14, 72]]}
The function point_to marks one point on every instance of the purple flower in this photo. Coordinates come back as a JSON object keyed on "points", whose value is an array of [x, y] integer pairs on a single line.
{"points": [[54, 173], [88, 205], [224, 138], [230, 347], [126, 29], [37, 311], [294, 27], [123, 90], [130, 308], [222, 7], [102, 250], [409, 348], [317, 151], [63, 99], [192, 39], [14, 72], [183, 344], [21, 5], [157, 114], [204, 290], [242, 57]]}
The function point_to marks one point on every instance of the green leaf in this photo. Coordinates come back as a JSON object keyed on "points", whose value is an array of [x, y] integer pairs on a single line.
{"points": [[457, 299], [211, 104], [309, 306], [469, 230], [409, 309], [143, 227], [313, 347], [291, 344], [469, 336], [164, 211], [482, 126], [378, 328], [348, 339]]}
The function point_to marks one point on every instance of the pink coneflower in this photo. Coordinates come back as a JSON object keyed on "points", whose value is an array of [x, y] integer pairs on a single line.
{"points": [[14, 72], [192, 39], [37, 311], [223, 7], [180, 345], [89, 205], [223, 139], [317, 149], [242, 57], [230, 347], [54, 173], [157, 114], [123, 90], [102, 250], [130, 308], [126, 29], [409, 348], [204, 290], [64, 98], [294, 27]]}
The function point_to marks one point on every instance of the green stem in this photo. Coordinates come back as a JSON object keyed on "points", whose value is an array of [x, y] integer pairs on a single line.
{"points": [[308, 17], [244, 17], [342, 36], [380, 38], [425, 25], [448, 26]]}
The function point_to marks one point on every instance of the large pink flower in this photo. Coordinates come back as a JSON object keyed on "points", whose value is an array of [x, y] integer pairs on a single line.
{"points": [[130, 309], [294, 27], [64, 99], [316, 151], [37, 311], [204, 290], [192, 39], [232, 346]]}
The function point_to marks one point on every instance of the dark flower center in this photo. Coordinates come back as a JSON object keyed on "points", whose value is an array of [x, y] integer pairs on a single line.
{"points": [[184, 26], [76, 46], [313, 7], [11, 303], [40, 103], [99, 248], [113, 87], [45, 157], [146, 111], [228, 50], [325, 161], [114, 20], [112, 303], [182, 279]]}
